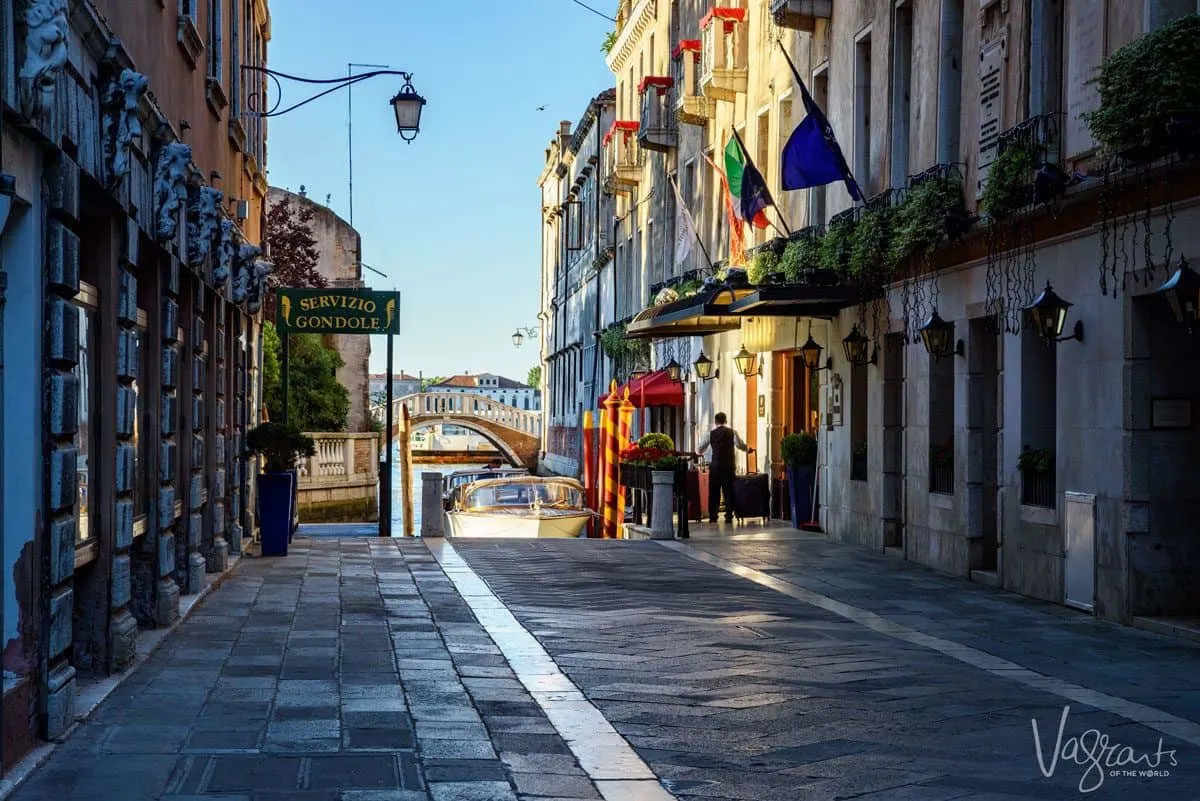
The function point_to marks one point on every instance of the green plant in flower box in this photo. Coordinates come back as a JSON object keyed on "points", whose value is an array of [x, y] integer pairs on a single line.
{"points": [[1035, 460], [762, 265], [920, 222], [835, 246], [1144, 87], [869, 253], [1010, 179], [802, 253]]}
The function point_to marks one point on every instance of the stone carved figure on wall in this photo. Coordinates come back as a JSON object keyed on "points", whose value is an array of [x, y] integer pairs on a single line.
{"points": [[258, 285], [121, 122], [170, 187], [244, 272], [226, 247], [46, 34], [204, 219]]}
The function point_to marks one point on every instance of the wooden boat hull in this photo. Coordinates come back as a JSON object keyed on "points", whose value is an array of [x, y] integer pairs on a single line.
{"points": [[501, 525]]}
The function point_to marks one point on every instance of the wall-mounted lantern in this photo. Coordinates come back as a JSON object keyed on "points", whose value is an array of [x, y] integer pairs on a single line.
{"points": [[1182, 291], [856, 346], [704, 368], [810, 351], [1049, 313], [938, 336], [673, 369], [746, 362]]}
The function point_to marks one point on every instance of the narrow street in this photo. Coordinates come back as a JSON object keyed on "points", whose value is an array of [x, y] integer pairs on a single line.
{"points": [[741, 668]]}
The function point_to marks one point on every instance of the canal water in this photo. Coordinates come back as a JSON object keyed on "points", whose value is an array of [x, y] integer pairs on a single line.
{"points": [[415, 479]]}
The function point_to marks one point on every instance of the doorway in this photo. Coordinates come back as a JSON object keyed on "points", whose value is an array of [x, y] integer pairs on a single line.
{"points": [[893, 441], [983, 432]]}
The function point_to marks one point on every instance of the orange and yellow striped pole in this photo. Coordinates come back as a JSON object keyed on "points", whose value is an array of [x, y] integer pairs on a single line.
{"points": [[624, 427], [612, 498], [589, 468]]}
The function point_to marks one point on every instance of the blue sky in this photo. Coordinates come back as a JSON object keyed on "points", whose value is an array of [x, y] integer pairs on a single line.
{"points": [[452, 219]]}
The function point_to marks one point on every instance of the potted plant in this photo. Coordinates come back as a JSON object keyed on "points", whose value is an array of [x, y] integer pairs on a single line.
{"points": [[869, 260], [765, 262], [799, 452], [835, 245], [801, 259], [280, 445], [931, 209], [1010, 180]]}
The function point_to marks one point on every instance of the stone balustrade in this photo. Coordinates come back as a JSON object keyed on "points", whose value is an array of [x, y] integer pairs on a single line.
{"points": [[339, 483]]}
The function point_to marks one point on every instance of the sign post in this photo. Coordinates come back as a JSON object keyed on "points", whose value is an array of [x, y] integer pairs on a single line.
{"points": [[344, 311]]}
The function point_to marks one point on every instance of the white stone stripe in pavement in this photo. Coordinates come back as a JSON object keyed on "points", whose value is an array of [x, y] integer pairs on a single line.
{"points": [[607, 758], [1147, 716]]}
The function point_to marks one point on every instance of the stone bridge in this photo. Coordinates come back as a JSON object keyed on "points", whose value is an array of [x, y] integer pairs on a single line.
{"points": [[514, 432]]}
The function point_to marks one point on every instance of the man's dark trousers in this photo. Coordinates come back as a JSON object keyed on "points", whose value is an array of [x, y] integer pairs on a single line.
{"points": [[720, 480]]}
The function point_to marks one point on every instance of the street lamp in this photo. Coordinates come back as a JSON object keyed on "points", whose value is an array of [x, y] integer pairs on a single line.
{"points": [[1182, 291], [938, 336], [1049, 313], [704, 368], [408, 105], [519, 335]]}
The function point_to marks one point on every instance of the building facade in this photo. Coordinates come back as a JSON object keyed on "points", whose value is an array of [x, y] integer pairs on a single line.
{"points": [[402, 384], [339, 261], [577, 281], [497, 387], [133, 180], [953, 429]]}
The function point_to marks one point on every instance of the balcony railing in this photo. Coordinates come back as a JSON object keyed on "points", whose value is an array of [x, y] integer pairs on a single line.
{"points": [[623, 158], [1037, 488], [801, 15], [723, 53], [657, 130], [691, 106]]}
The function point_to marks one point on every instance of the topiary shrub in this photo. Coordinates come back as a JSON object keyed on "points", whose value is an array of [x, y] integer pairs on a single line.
{"points": [[654, 440], [799, 448], [280, 444]]}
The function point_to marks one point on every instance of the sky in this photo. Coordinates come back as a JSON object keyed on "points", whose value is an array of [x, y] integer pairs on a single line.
{"points": [[453, 218]]}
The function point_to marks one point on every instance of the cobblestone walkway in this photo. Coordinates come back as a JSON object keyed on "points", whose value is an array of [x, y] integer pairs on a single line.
{"points": [[342, 672]]}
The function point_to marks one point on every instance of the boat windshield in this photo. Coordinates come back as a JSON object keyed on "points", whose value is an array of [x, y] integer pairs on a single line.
{"points": [[552, 494]]}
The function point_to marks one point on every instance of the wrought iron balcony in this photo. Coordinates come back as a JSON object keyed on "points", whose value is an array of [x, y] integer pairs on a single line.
{"points": [[801, 15], [723, 53], [657, 130]]}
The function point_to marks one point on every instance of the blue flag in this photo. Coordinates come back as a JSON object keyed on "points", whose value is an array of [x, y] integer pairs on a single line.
{"points": [[812, 156]]}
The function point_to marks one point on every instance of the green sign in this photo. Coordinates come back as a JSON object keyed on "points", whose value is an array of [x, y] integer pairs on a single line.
{"points": [[337, 311]]}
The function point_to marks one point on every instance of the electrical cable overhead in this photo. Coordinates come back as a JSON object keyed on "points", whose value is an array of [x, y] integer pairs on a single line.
{"points": [[594, 11]]}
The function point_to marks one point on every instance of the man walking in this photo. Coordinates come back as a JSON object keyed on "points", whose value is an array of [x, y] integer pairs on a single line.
{"points": [[722, 439]]}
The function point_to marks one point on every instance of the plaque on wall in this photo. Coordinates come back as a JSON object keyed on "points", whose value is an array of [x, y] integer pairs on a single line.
{"points": [[1170, 413], [835, 400], [762, 405]]}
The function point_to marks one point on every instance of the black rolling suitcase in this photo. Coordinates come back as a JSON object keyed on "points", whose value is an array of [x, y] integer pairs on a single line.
{"points": [[753, 493]]}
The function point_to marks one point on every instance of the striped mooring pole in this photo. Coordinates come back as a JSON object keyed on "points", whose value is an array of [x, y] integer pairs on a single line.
{"points": [[612, 500], [589, 469]]}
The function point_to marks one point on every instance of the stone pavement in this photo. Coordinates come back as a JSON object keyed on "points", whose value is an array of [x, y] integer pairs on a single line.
{"points": [[729, 689], [343, 671], [779, 668]]}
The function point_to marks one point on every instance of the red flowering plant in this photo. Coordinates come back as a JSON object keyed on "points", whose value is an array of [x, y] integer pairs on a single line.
{"points": [[656, 451]]}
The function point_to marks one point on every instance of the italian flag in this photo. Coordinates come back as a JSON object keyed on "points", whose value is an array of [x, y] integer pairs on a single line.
{"points": [[737, 175]]}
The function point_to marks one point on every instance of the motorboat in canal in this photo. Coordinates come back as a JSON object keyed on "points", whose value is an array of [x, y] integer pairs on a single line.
{"points": [[520, 507], [453, 483]]}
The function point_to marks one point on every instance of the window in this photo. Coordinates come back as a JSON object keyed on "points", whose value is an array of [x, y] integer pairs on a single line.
{"points": [[901, 94], [187, 8], [140, 477], [941, 424], [216, 19], [858, 421], [1160, 12], [950, 81], [85, 437], [862, 112], [816, 195], [1046, 57], [1039, 415], [763, 164]]}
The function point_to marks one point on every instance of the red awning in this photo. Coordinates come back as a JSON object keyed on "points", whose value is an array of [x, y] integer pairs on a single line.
{"points": [[652, 389]]}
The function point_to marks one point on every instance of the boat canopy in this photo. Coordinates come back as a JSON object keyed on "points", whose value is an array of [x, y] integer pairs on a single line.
{"points": [[522, 491]]}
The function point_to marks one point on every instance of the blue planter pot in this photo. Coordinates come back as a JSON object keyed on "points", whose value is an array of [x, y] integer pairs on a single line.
{"points": [[800, 479], [275, 493]]}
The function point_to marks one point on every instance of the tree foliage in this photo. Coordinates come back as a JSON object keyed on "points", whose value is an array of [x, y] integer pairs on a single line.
{"points": [[317, 401], [293, 250], [534, 377]]}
